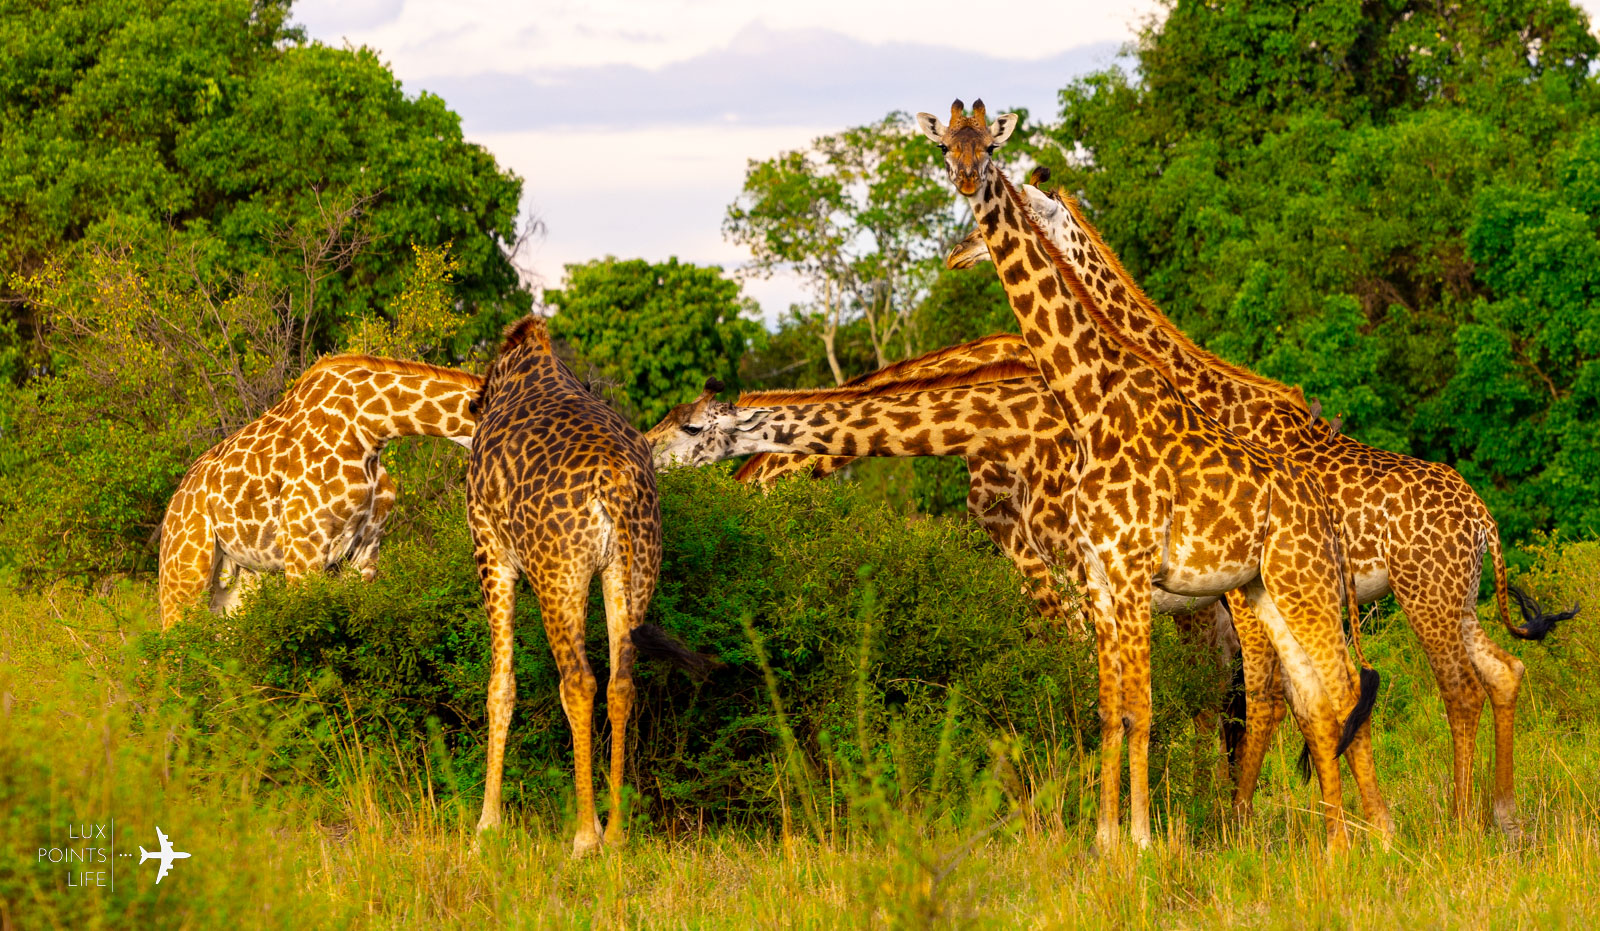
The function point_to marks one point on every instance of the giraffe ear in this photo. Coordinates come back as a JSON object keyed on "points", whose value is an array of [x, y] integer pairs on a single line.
{"points": [[1001, 128], [931, 127]]}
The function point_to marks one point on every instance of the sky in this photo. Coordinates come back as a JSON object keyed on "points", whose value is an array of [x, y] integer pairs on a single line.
{"points": [[631, 122]]}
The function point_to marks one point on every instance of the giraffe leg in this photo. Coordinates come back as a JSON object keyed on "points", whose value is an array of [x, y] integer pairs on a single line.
{"points": [[623, 614], [1448, 629], [1264, 704], [302, 538], [498, 579], [188, 556], [364, 556], [1501, 676], [1110, 668], [1311, 653], [993, 499], [564, 609]]}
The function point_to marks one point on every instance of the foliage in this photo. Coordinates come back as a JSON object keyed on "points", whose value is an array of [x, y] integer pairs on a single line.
{"points": [[421, 321], [862, 217], [90, 455], [817, 569], [219, 120], [655, 330], [1385, 203]]}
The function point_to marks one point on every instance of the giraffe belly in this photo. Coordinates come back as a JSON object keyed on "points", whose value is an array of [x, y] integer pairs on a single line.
{"points": [[1165, 602], [1372, 583]]}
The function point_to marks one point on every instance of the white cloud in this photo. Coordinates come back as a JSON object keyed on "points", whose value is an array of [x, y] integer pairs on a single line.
{"points": [[764, 77], [462, 37]]}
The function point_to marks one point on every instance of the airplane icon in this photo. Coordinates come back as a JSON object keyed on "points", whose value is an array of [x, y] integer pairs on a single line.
{"points": [[166, 855]]}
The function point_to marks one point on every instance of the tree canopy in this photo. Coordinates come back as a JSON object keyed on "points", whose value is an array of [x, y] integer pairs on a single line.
{"points": [[215, 118], [1387, 203], [656, 331]]}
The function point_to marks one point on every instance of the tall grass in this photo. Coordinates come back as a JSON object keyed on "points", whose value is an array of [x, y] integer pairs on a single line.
{"points": [[298, 818]]}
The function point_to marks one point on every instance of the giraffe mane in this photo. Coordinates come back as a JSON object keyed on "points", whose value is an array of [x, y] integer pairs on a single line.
{"points": [[895, 370], [1070, 278], [395, 366], [1007, 370], [532, 326], [1164, 324]]}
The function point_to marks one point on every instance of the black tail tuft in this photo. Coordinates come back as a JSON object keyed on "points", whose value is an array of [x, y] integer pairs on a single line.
{"points": [[1536, 624], [1363, 709], [1233, 719], [656, 643], [1358, 716]]}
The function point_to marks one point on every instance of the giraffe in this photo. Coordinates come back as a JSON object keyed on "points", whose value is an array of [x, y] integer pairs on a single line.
{"points": [[560, 487], [994, 489], [998, 416], [302, 488], [1413, 528], [1163, 496]]}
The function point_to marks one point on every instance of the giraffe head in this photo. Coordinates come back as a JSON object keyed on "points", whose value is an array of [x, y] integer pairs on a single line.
{"points": [[967, 142], [702, 431], [1047, 209]]}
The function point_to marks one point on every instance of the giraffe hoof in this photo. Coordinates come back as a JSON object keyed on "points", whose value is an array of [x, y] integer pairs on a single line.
{"points": [[1505, 816], [585, 844]]}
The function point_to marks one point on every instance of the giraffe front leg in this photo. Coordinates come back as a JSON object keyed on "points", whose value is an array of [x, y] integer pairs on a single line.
{"points": [[1103, 614], [364, 556], [302, 538]]}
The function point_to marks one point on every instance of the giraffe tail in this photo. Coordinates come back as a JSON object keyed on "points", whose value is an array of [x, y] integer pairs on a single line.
{"points": [[656, 643], [1367, 680], [1536, 624]]}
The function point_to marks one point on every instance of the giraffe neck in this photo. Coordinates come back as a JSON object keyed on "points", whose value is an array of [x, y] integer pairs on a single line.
{"points": [[384, 399], [1246, 403], [1080, 360], [980, 419]]}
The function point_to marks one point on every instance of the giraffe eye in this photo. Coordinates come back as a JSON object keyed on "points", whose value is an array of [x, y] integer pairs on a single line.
{"points": [[693, 429], [991, 147], [944, 148]]}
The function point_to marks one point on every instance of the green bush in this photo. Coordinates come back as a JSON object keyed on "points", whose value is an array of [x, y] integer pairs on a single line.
{"points": [[818, 570]]}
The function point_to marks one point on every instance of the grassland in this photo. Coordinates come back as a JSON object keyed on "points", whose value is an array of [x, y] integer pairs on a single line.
{"points": [[91, 728]]}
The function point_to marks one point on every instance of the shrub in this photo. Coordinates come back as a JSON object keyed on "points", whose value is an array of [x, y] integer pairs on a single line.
{"points": [[817, 568]]}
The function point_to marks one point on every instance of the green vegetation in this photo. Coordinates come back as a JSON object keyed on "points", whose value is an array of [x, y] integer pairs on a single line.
{"points": [[656, 331], [319, 754], [1393, 204]]}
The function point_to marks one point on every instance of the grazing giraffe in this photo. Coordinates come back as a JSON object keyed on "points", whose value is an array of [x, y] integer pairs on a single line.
{"points": [[1411, 527], [560, 487], [302, 487], [1163, 496], [999, 416], [994, 490]]}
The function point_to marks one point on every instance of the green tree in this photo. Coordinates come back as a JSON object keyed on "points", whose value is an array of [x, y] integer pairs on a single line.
{"points": [[217, 118], [862, 216], [656, 331], [1380, 202]]}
